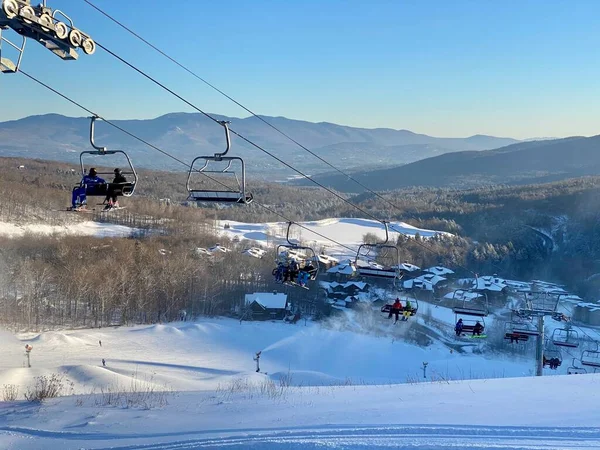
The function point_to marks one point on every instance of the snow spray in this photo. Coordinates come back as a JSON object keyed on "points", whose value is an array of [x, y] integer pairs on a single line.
{"points": [[280, 343]]}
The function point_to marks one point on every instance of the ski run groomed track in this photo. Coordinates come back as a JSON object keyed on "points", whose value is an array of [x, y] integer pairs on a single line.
{"points": [[324, 388]]}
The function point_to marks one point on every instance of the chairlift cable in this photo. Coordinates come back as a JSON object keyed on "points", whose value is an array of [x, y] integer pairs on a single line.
{"points": [[251, 112], [253, 144], [245, 139], [123, 130], [191, 72], [262, 119]]}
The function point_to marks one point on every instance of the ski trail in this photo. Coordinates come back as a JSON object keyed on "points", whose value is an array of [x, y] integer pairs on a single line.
{"points": [[425, 437]]}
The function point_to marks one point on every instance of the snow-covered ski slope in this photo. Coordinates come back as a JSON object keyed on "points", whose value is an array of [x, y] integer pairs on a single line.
{"points": [[323, 387], [85, 228], [346, 231]]}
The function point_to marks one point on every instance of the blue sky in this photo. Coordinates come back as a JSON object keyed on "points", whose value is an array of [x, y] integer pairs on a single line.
{"points": [[445, 68]]}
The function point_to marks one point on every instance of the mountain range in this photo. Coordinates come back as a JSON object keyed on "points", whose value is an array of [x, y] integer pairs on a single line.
{"points": [[187, 135], [521, 163]]}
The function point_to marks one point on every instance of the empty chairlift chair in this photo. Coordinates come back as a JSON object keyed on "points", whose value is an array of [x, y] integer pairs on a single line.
{"points": [[119, 189], [565, 337], [206, 183], [470, 303], [575, 369], [367, 266], [591, 358]]}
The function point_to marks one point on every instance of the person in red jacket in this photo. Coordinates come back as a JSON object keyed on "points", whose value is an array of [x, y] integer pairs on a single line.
{"points": [[395, 310]]}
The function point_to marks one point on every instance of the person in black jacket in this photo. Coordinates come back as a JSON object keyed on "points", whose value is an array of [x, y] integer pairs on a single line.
{"points": [[114, 189]]}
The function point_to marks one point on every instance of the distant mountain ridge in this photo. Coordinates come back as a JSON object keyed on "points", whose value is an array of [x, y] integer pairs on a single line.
{"points": [[187, 135], [521, 163]]}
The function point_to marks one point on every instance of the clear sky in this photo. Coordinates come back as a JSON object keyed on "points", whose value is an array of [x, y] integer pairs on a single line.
{"points": [[526, 68]]}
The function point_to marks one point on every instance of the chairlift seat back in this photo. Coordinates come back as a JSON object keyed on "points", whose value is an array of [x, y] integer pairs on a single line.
{"points": [[223, 193], [120, 189]]}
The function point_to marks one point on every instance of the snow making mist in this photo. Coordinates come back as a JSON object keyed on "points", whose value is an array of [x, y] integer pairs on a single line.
{"points": [[281, 343]]}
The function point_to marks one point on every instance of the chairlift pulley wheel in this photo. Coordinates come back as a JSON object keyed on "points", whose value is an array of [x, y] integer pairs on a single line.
{"points": [[75, 38], [46, 22], [61, 30], [10, 8], [25, 12], [89, 46]]}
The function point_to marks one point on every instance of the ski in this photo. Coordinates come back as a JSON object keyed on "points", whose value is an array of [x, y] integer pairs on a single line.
{"points": [[117, 208]]}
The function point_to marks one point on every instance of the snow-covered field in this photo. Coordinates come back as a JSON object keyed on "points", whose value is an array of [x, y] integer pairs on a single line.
{"points": [[86, 228], [323, 387], [348, 232]]}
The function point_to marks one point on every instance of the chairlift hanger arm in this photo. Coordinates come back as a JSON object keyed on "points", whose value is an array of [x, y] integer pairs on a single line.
{"points": [[225, 125], [92, 132]]}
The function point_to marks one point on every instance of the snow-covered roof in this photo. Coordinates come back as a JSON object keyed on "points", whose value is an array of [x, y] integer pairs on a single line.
{"points": [[407, 267], [591, 306], [326, 259], [332, 286], [346, 269], [202, 251], [417, 284], [289, 253], [369, 264], [462, 295], [255, 252], [439, 270], [489, 283], [218, 248], [269, 300], [425, 282]]}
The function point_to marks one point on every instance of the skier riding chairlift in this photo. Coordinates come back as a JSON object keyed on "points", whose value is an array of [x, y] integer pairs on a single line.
{"points": [[89, 183]]}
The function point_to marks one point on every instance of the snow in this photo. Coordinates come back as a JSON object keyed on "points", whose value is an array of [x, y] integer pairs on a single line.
{"points": [[255, 252], [86, 228], [407, 267], [462, 295], [269, 300], [344, 268], [325, 387], [425, 282], [439, 270], [346, 231]]}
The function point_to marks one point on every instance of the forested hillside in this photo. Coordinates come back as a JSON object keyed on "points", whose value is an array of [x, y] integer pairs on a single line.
{"points": [[547, 231], [521, 163]]}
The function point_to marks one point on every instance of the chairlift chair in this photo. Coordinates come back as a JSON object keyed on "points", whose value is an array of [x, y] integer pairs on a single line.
{"points": [[550, 354], [574, 369], [469, 325], [120, 189], [465, 305], [565, 337], [544, 302], [292, 250], [374, 269], [591, 358], [52, 29], [518, 332], [221, 193], [414, 304]]}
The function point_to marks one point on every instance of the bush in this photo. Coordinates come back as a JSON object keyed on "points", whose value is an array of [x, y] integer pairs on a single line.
{"points": [[10, 392], [48, 387]]}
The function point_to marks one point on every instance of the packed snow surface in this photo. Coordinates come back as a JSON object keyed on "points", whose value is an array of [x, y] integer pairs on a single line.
{"points": [[321, 233], [324, 387], [86, 228]]}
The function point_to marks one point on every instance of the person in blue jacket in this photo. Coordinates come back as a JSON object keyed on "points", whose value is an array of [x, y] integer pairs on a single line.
{"points": [[88, 182]]}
